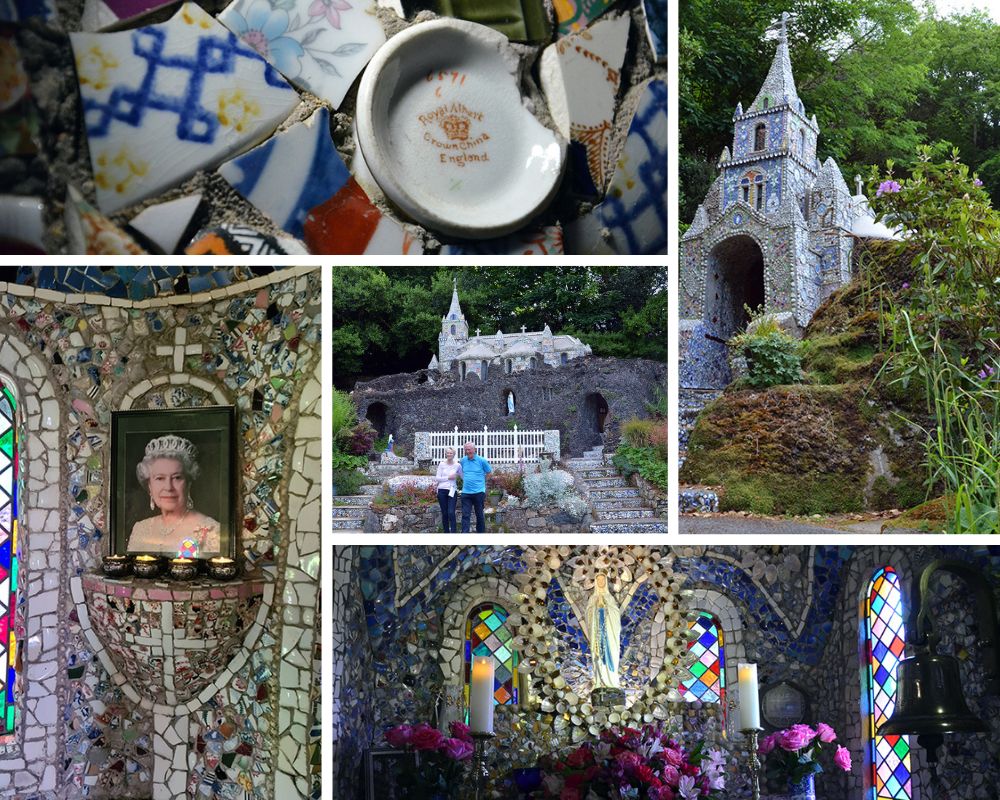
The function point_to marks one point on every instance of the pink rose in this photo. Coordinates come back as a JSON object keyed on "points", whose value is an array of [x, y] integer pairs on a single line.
{"points": [[767, 744], [826, 733], [629, 760], [671, 775], [460, 731], [842, 758], [672, 756], [796, 737], [399, 736], [424, 737], [661, 793], [456, 749]]}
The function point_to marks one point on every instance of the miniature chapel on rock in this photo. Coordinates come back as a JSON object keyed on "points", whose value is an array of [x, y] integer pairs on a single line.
{"points": [[515, 352], [776, 229]]}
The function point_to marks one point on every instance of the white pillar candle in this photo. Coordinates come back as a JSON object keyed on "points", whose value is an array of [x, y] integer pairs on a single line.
{"points": [[749, 699], [481, 695]]}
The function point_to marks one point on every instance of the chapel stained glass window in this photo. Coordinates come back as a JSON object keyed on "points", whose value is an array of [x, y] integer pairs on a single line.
{"points": [[8, 560], [708, 674], [889, 755], [487, 634]]}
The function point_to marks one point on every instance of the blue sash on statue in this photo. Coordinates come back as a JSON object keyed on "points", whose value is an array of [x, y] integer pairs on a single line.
{"points": [[605, 646]]}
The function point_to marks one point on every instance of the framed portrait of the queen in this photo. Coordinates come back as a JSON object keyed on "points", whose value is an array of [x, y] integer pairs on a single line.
{"points": [[174, 482]]}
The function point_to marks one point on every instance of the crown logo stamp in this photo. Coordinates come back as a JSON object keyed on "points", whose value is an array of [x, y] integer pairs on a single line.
{"points": [[455, 128]]}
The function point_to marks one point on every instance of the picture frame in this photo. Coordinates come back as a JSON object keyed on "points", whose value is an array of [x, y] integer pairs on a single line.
{"points": [[189, 458], [382, 765]]}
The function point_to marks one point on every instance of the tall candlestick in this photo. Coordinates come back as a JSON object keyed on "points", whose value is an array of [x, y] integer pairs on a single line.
{"points": [[749, 699], [481, 695]]}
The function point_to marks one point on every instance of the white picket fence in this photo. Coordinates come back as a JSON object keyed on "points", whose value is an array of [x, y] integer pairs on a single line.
{"points": [[498, 447]]}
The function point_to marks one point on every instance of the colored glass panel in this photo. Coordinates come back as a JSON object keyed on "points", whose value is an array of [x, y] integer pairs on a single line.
{"points": [[487, 634], [8, 562], [889, 755], [708, 675]]}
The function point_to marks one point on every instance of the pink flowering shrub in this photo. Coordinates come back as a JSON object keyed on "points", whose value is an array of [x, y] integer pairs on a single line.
{"points": [[439, 769], [793, 754], [645, 764]]}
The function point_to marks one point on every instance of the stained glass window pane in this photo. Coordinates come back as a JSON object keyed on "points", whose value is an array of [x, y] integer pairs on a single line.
{"points": [[890, 755], [8, 561], [707, 681], [487, 634]]}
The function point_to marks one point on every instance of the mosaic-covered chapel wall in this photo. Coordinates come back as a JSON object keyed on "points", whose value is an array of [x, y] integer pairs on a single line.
{"points": [[237, 335], [793, 610]]}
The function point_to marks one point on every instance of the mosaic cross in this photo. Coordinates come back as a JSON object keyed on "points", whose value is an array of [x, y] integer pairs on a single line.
{"points": [[179, 349]]}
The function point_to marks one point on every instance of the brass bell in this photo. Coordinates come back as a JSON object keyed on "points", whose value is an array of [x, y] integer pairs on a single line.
{"points": [[929, 699]]}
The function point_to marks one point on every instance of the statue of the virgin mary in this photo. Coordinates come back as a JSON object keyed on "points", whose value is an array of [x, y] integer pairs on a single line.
{"points": [[604, 631]]}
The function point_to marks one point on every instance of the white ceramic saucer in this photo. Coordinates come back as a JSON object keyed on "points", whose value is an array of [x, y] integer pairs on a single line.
{"points": [[445, 132]]}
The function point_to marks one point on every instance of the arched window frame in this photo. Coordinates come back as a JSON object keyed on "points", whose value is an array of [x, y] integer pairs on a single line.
{"points": [[727, 615], [878, 749], [758, 182], [760, 136], [509, 685], [452, 330], [9, 559]]}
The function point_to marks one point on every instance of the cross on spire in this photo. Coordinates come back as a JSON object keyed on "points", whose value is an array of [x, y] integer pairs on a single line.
{"points": [[477, 331], [860, 184], [524, 329]]}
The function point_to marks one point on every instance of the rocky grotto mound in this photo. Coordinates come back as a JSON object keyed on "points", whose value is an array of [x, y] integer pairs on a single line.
{"points": [[836, 442]]}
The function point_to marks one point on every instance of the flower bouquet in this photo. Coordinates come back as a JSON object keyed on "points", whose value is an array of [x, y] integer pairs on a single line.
{"points": [[438, 771], [645, 764], [791, 758]]}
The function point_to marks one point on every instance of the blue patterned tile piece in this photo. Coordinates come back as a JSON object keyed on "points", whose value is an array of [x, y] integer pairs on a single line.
{"points": [[291, 173], [632, 219]]}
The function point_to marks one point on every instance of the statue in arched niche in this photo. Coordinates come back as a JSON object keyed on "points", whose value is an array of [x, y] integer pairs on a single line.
{"points": [[604, 632]]}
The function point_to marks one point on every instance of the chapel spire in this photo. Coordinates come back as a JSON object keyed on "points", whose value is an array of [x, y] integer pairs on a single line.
{"points": [[779, 86], [455, 312]]}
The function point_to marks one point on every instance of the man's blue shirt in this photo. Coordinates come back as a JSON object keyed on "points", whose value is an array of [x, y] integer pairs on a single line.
{"points": [[474, 472]]}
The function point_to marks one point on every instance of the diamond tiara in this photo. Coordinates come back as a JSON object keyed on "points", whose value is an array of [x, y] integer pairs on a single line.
{"points": [[171, 445]]}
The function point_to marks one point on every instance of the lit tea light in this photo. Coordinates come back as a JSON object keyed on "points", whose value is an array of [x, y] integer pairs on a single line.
{"points": [[147, 566], [116, 566], [222, 568], [183, 569]]}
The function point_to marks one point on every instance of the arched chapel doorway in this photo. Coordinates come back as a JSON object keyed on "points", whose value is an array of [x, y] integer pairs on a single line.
{"points": [[735, 281], [596, 410], [376, 414]]}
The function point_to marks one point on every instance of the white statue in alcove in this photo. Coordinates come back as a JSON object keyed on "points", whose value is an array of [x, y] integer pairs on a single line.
{"points": [[604, 631]]}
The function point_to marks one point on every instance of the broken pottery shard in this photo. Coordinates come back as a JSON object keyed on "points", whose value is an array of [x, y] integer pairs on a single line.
{"points": [[90, 232], [291, 173], [241, 240], [632, 219], [446, 133], [320, 45], [163, 101], [581, 75], [101, 14], [547, 241], [575, 15], [655, 12], [350, 224], [165, 223], [520, 20]]}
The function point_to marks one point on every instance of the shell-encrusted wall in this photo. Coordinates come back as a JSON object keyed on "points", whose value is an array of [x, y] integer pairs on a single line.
{"points": [[248, 339]]}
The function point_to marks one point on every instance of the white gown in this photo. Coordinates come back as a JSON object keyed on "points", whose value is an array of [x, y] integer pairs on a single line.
{"points": [[604, 632]]}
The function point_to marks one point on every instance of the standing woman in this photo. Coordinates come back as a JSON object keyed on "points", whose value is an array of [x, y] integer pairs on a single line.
{"points": [[447, 471]]}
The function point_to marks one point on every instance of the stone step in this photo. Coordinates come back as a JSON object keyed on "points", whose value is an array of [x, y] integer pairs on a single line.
{"points": [[605, 483], [351, 500], [350, 512], [579, 465], [629, 526], [694, 499], [616, 493], [598, 472], [350, 525], [614, 503], [626, 513], [371, 489]]}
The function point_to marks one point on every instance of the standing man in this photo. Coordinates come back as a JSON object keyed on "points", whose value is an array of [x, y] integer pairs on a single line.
{"points": [[474, 471]]}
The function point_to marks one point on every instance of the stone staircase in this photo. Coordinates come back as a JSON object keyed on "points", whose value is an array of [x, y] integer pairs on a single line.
{"points": [[690, 404], [617, 507], [349, 511]]}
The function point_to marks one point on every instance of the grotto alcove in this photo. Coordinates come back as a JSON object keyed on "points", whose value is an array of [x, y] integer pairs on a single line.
{"points": [[825, 626], [129, 687]]}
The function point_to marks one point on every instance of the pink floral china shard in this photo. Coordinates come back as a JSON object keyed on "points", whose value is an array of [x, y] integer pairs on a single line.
{"points": [[320, 45]]}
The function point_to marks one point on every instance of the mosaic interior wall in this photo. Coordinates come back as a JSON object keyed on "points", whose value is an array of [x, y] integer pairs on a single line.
{"points": [[793, 610], [246, 339]]}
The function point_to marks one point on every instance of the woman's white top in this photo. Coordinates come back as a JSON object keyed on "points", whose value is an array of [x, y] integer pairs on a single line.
{"points": [[447, 473]]}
